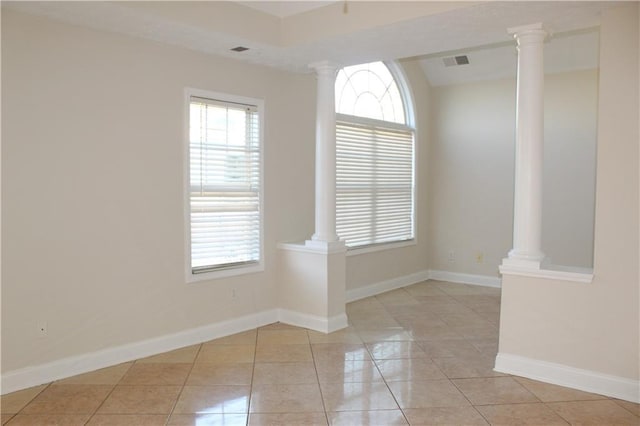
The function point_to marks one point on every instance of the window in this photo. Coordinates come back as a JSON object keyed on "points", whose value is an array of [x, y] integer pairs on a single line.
{"points": [[224, 185], [374, 158]]}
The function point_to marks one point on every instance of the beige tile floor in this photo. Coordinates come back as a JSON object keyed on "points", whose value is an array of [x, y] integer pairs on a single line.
{"points": [[422, 355]]}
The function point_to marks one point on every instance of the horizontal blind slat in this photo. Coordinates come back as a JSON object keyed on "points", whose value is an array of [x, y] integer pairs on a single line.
{"points": [[224, 162], [374, 182]]}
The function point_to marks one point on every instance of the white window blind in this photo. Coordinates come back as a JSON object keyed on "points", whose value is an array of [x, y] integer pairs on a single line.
{"points": [[224, 184], [374, 178]]}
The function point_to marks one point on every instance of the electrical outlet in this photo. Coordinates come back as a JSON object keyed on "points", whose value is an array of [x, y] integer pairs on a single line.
{"points": [[42, 329], [479, 257], [452, 256], [233, 293]]}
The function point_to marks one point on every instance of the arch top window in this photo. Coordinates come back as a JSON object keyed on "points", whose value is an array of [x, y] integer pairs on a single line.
{"points": [[369, 90], [374, 158]]}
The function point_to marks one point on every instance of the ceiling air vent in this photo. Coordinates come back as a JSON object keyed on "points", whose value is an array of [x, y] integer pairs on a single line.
{"points": [[453, 61]]}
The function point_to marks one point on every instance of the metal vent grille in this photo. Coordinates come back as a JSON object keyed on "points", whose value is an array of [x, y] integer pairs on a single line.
{"points": [[452, 61]]}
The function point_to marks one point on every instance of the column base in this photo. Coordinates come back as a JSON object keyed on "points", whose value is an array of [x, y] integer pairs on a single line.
{"points": [[545, 269], [519, 263], [326, 246], [529, 258], [522, 261]]}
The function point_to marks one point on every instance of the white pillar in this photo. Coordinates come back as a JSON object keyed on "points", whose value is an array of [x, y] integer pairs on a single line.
{"points": [[527, 212], [312, 276], [325, 209]]}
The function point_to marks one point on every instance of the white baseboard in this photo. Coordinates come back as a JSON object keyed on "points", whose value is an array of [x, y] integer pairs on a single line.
{"points": [[395, 283], [562, 375], [382, 286], [458, 277], [44, 373], [313, 322]]}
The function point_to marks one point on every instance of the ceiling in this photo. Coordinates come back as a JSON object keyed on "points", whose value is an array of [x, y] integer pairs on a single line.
{"points": [[291, 35], [283, 9]]}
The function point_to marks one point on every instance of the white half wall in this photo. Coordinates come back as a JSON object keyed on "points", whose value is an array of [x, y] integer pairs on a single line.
{"points": [[593, 328]]}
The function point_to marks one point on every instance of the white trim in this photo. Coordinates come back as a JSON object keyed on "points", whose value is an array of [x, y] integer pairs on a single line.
{"points": [[523, 28], [395, 283], [458, 277], [400, 77], [313, 322], [382, 286], [368, 122], [226, 272], [563, 375], [356, 251], [44, 373], [316, 247], [550, 272]]}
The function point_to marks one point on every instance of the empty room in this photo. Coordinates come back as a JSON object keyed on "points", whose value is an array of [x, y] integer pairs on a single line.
{"points": [[320, 213]]}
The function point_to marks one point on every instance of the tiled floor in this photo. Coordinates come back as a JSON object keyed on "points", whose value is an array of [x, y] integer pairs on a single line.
{"points": [[422, 355]]}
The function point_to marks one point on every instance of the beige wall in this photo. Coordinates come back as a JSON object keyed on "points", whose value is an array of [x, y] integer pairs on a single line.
{"points": [[471, 176], [92, 190], [595, 326], [471, 172], [570, 135]]}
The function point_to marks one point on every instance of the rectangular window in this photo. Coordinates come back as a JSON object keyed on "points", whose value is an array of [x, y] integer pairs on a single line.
{"points": [[374, 182], [225, 214]]}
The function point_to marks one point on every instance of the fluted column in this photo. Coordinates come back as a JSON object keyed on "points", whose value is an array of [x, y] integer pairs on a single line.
{"points": [[325, 208], [527, 212]]}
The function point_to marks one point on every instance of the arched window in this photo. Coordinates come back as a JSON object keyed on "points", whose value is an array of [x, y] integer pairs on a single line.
{"points": [[375, 157], [369, 90]]}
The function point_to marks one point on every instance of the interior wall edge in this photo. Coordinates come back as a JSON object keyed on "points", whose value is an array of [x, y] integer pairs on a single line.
{"points": [[313, 322]]}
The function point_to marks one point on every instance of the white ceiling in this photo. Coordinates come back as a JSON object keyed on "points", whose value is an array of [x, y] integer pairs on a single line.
{"points": [[283, 9], [294, 34]]}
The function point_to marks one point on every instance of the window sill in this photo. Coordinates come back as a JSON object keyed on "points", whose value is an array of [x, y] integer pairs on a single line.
{"points": [[310, 246], [380, 247], [224, 273], [552, 272]]}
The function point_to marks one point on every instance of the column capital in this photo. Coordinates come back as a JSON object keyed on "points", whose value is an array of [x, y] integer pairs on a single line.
{"points": [[537, 30], [324, 67]]}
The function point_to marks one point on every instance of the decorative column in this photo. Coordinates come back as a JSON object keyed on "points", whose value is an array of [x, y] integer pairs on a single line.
{"points": [[312, 275], [325, 209], [527, 212]]}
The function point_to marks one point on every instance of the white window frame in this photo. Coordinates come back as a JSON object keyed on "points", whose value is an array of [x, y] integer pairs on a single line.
{"points": [[231, 270], [410, 123]]}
